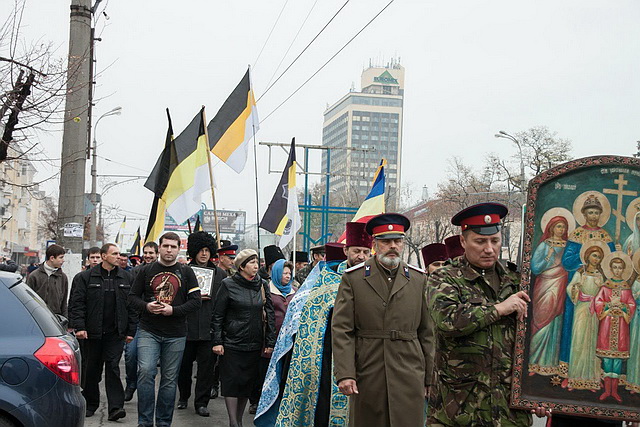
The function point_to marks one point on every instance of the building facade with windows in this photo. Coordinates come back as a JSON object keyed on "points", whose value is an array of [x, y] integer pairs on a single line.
{"points": [[365, 127]]}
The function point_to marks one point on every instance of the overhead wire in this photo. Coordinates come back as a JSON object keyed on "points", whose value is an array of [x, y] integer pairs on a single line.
{"points": [[303, 51], [293, 41], [270, 33], [328, 61]]}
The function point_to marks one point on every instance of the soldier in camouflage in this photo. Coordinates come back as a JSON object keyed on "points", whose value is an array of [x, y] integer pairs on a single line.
{"points": [[474, 303]]}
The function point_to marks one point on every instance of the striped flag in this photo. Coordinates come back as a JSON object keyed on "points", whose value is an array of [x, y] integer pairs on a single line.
{"points": [[374, 203], [135, 248], [283, 215], [230, 131], [120, 235], [190, 176], [164, 168]]}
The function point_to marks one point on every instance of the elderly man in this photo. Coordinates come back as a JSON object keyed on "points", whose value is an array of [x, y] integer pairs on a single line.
{"points": [[381, 335], [474, 303]]}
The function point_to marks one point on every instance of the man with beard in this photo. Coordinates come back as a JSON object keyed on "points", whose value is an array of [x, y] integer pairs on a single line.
{"points": [[381, 334], [200, 246]]}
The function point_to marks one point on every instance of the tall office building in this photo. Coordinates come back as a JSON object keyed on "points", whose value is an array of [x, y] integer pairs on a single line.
{"points": [[367, 120]]}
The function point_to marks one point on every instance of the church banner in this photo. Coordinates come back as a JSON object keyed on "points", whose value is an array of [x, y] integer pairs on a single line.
{"points": [[578, 351]]}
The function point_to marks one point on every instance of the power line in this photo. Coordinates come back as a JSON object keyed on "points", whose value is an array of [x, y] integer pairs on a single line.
{"points": [[303, 50], [328, 61], [270, 32], [292, 42]]}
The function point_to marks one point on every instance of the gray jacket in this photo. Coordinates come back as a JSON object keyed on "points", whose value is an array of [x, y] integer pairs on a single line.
{"points": [[52, 289]]}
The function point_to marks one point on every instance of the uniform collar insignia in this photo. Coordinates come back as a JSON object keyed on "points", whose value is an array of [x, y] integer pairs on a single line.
{"points": [[406, 271], [367, 270]]}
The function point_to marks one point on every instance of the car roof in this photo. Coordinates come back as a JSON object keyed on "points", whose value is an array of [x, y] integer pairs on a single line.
{"points": [[9, 279]]}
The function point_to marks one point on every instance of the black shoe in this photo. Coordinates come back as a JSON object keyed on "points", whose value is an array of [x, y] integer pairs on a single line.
{"points": [[90, 413], [182, 404], [116, 414], [202, 411], [253, 408], [214, 393], [128, 394]]}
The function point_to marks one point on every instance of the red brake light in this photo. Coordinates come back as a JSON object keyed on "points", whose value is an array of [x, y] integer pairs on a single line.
{"points": [[59, 358]]}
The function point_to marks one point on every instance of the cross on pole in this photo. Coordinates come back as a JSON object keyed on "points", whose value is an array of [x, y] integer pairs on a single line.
{"points": [[620, 192]]}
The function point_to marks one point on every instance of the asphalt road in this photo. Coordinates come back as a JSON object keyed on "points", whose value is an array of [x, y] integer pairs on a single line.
{"points": [[183, 417]]}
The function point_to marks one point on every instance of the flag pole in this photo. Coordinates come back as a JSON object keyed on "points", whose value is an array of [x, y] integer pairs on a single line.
{"points": [[255, 171], [213, 192]]}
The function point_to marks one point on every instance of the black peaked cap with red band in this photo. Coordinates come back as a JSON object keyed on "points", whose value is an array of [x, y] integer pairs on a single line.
{"points": [[388, 226], [483, 218]]}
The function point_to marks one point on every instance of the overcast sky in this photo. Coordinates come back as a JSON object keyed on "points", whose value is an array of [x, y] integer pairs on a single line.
{"points": [[472, 68]]}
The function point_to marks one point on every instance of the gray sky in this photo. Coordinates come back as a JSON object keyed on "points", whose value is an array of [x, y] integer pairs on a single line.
{"points": [[472, 68]]}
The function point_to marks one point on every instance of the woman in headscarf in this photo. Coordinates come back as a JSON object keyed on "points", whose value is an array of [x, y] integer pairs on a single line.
{"points": [[243, 324], [549, 293]]}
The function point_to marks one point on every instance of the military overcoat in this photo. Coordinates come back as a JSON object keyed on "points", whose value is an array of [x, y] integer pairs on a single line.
{"points": [[381, 337], [474, 348]]}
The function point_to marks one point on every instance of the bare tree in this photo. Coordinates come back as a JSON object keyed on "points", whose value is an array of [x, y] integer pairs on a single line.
{"points": [[33, 83]]}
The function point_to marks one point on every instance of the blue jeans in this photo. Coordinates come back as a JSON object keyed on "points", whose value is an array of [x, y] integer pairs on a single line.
{"points": [[152, 348], [131, 362]]}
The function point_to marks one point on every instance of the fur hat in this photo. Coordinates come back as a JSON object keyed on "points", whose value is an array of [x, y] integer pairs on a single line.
{"points": [[357, 235], [335, 251], [199, 240], [591, 201], [272, 253]]}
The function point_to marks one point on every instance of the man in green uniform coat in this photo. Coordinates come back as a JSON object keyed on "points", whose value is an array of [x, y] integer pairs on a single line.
{"points": [[474, 303], [381, 335]]}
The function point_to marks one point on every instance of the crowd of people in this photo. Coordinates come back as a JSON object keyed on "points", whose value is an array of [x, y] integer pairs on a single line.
{"points": [[352, 335]]}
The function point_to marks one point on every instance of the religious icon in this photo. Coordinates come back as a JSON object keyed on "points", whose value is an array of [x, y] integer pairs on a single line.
{"points": [[578, 352]]}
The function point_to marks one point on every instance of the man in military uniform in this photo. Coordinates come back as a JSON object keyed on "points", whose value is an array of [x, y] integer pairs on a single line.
{"points": [[381, 336], [226, 255], [474, 303]]}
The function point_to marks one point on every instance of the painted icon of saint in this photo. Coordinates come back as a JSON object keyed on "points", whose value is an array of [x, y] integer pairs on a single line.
{"points": [[584, 366], [615, 307], [633, 363], [591, 210], [632, 244], [549, 291]]}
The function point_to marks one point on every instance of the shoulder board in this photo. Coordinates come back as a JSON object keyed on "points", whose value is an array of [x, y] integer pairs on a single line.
{"points": [[413, 267], [354, 268]]}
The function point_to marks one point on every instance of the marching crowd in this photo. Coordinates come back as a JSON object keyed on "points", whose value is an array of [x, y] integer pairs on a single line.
{"points": [[353, 336]]}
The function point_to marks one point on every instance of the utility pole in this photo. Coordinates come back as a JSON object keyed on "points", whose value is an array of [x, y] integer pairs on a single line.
{"points": [[75, 140]]}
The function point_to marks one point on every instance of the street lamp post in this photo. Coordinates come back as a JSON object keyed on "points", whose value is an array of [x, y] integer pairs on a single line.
{"points": [[523, 186], [93, 231], [523, 182]]}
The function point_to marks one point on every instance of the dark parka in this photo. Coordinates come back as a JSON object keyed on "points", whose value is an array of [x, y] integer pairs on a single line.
{"points": [[237, 321], [52, 289], [381, 338], [86, 304], [199, 321]]}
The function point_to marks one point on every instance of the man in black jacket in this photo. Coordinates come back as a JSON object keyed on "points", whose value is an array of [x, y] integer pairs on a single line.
{"points": [[99, 313], [200, 246]]}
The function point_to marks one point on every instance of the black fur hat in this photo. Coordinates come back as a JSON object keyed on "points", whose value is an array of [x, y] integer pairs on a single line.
{"points": [[199, 240]]}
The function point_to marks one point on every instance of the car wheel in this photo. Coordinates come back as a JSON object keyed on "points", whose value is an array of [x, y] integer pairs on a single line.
{"points": [[6, 422]]}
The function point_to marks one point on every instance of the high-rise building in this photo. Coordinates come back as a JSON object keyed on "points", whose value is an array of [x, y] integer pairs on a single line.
{"points": [[367, 120]]}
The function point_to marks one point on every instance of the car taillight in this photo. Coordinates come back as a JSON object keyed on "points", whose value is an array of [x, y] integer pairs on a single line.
{"points": [[59, 358]]}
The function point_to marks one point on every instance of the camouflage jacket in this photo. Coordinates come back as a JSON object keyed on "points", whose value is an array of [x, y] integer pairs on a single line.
{"points": [[474, 348]]}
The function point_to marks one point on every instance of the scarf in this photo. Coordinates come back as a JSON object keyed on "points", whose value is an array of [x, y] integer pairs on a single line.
{"points": [[253, 284], [276, 277]]}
